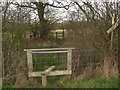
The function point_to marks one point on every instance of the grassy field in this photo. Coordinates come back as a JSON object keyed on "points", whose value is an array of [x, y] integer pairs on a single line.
{"points": [[67, 82]]}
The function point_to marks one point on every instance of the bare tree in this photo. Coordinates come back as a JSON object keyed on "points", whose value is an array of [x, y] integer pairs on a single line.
{"points": [[40, 7]]}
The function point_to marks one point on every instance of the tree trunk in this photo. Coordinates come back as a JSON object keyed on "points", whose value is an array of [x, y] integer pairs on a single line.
{"points": [[44, 27]]}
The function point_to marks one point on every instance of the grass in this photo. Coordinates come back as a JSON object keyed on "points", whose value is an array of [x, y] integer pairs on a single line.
{"points": [[90, 83], [67, 82], [7, 86]]}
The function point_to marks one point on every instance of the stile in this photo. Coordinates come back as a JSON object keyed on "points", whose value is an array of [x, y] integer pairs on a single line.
{"points": [[49, 71], [44, 75]]}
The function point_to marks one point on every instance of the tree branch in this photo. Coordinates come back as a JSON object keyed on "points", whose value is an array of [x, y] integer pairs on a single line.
{"points": [[63, 6], [25, 6], [87, 16], [93, 9]]}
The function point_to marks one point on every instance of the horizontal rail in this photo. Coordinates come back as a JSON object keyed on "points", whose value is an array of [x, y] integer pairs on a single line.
{"points": [[52, 52], [52, 73], [48, 49]]}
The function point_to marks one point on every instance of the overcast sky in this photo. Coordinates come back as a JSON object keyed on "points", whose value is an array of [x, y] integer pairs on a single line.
{"points": [[64, 0], [62, 12]]}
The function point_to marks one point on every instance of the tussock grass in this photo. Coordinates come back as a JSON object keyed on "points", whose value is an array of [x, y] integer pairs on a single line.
{"points": [[67, 82], [92, 82]]}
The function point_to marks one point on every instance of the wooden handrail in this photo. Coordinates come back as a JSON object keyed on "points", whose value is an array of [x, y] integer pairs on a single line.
{"points": [[48, 49]]}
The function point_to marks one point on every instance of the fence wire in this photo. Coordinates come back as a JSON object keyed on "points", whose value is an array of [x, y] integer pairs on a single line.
{"points": [[41, 62]]}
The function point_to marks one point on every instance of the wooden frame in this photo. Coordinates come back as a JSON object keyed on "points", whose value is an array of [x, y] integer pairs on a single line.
{"points": [[51, 73]]}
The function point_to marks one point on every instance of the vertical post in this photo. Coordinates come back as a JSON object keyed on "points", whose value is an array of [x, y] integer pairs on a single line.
{"points": [[29, 60], [56, 35], [63, 34], [44, 80], [1, 59], [69, 59], [112, 33], [111, 44]]}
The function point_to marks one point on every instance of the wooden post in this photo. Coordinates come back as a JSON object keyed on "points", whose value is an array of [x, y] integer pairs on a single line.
{"points": [[63, 34], [112, 33], [29, 60], [44, 75], [44, 80], [111, 43], [69, 60], [56, 34]]}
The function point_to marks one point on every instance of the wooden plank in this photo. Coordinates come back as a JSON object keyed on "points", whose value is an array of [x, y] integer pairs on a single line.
{"points": [[29, 61], [112, 28], [47, 71], [52, 73], [69, 60], [62, 72], [48, 49]]}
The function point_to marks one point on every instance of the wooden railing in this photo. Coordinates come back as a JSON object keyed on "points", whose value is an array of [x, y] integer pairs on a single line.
{"points": [[49, 72]]}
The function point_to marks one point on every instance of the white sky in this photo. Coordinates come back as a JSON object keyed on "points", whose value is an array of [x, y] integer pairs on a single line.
{"points": [[64, 0]]}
